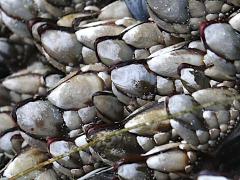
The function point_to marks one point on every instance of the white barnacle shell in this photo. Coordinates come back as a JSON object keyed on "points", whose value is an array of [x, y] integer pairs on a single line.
{"points": [[134, 79], [25, 161], [88, 35], [62, 46], [223, 32], [26, 83], [39, 118], [167, 64], [76, 92]]}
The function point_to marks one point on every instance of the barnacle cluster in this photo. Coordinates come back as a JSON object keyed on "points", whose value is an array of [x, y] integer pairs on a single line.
{"points": [[134, 89]]}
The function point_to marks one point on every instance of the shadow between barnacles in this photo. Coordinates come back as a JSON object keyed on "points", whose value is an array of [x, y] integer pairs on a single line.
{"points": [[119, 132]]}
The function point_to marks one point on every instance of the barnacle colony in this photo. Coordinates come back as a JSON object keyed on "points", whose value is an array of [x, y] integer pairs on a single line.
{"points": [[149, 92]]}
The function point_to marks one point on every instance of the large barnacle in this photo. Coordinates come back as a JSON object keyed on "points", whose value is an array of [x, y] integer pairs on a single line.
{"points": [[134, 89]]}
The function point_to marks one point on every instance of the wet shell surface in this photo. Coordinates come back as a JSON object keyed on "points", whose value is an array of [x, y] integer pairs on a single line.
{"points": [[119, 89]]}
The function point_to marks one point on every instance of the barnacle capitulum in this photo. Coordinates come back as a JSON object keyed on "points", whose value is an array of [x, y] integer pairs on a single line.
{"points": [[139, 89]]}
